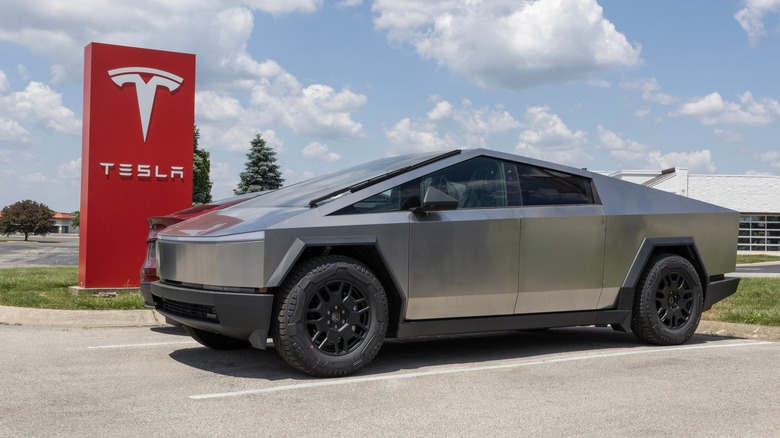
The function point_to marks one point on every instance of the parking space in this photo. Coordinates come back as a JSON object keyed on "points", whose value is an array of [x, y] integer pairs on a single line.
{"points": [[583, 381]]}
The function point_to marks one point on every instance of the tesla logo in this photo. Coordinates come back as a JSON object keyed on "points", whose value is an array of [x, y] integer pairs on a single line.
{"points": [[146, 81]]}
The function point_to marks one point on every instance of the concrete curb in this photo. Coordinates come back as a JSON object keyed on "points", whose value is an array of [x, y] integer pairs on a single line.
{"points": [[150, 318], [80, 318]]}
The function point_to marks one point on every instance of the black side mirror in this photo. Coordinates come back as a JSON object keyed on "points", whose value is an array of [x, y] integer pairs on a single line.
{"points": [[436, 200]]}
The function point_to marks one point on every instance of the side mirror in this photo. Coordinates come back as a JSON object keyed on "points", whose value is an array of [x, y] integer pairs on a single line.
{"points": [[436, 200]]}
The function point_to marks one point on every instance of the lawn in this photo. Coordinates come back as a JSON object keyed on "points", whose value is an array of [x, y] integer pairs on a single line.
{"points": [[756, 258], [47, 288], [756, 302]]}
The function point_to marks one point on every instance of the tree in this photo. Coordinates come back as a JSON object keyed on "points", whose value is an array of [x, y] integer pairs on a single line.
{"points": [[26, 217], [201, 167], [262, 172], [75, 222]]}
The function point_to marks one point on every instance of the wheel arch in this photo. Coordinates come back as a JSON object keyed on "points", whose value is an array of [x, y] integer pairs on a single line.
{"points": [[361, 248], [683, 246]]}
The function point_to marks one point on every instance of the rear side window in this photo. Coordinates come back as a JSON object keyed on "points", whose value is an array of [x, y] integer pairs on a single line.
{"points": [[539, 186]]}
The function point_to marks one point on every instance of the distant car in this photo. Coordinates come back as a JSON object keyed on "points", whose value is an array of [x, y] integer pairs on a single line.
{"points": [[159, 223], [432, 244]]}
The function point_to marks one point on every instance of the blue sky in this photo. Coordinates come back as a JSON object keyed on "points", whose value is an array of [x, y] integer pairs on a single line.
{"points": [[607, 85]]}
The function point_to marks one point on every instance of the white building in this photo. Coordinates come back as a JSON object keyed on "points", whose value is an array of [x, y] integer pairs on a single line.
{"points": [[756, 197]]}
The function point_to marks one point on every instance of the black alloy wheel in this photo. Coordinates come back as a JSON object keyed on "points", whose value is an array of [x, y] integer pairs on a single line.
{"points": [[668, 301]]}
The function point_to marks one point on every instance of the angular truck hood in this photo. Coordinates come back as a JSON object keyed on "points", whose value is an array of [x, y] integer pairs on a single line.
{"points": [[232, 220]]}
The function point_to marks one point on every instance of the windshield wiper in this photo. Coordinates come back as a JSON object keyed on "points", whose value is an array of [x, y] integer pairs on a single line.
{"points": [[377, 179]]}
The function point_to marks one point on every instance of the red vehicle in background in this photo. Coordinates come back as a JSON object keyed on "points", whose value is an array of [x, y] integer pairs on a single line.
{"points": [[159, 223]]}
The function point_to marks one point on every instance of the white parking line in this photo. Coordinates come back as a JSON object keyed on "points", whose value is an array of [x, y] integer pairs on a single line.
{"points": [[154, 344], [355, 380]]}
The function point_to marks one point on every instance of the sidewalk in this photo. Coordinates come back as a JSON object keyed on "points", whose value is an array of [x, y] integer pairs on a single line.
{"points": [[150, 318], [80, 318]]}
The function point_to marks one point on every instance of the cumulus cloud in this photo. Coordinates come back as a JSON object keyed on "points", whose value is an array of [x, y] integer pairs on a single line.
{"points": [[320, 152], [509, 44], [650, 91], [712, 109], [700, 161], [547, 137], [410, 136], [751, 17], [630, 153], [38, 105], [70, 170], [460, 126], [772, 158]]}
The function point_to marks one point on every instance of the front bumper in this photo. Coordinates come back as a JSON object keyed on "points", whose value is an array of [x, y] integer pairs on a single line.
{"points": [[238, 315]]}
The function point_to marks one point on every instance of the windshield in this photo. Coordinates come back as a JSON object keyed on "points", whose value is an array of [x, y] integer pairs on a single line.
{"points": [[302, 193]]}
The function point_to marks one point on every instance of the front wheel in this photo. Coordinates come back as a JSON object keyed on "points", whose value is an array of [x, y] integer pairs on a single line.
{"points": [[331, 317], [669, 302]]}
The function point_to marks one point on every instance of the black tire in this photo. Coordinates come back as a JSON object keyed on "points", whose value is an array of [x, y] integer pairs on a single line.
{"points": [[668, 302], [215, 340], [331, 317]]}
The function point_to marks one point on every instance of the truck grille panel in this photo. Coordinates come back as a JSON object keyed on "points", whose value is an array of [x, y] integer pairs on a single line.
{"points": [[194, 311]]}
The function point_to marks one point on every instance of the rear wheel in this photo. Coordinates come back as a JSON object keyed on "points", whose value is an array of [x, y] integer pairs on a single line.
{"points": [[668, 304], [331, 317], [215, 340]]}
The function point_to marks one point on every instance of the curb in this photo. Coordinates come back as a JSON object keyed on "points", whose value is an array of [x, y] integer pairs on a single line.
{"points": [[150, 318], [80, 318]]}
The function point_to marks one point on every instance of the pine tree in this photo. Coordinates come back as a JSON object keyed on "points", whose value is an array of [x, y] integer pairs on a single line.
{"points": [[262, 172], [201, 166]]}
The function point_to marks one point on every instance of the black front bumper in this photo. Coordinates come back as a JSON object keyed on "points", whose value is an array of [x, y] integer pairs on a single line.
{"points": [[238, 315]]}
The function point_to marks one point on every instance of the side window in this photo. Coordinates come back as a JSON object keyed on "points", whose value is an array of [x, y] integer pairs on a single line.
{"points": [[476, 183], [398, 198], [540, 186]]}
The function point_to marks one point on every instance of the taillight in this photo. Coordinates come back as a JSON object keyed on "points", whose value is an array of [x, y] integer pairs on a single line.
{"points": [[149, 268]]}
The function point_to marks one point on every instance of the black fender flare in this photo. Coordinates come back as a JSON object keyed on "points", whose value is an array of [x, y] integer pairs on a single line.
{"points": [[646, 250]]}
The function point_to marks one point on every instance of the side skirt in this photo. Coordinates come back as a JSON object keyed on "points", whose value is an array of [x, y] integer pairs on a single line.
{"points": [[411, 329]]}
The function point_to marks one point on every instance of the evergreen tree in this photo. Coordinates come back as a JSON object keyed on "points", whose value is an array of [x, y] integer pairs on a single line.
{"points": [[201, 167], [26, 217], [262, 172]]}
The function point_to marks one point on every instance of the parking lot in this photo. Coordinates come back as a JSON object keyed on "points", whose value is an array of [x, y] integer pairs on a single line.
{"points": [[155, 381]]}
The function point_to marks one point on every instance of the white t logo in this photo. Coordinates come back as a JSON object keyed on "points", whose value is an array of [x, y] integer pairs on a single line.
{"points": [[145, 91]]}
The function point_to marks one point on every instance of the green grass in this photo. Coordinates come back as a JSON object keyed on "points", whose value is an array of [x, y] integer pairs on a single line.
{"points": [[757, 301], [47, 288], [756, 258]]}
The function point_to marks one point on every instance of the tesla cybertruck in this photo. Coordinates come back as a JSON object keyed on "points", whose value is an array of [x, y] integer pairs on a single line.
{"points": [[442, 243]]}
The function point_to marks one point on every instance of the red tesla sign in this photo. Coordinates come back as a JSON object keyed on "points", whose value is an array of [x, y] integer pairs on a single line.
{"points": [[136, 161]]}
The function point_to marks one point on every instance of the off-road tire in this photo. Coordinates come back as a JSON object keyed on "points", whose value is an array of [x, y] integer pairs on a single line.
{"points": [[215, 340], [668, 301], [331, 317]]}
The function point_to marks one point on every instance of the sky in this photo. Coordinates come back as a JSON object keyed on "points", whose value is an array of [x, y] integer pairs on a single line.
{"points": [[604, 85]]}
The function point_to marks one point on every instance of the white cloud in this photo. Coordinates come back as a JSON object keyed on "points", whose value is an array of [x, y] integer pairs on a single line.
{"points": [[463, 126], [349, 3], [225, 179], [599, 83], [632, 154], [40, 105], [751, 17], [650, 91], [728, 135], [418, 136], [547, 137], [509, 44], [4, 87], [713, 110], [320, 152], [12, 134], [70, 170], [642, 112], [772, 158], [697, 161]]}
